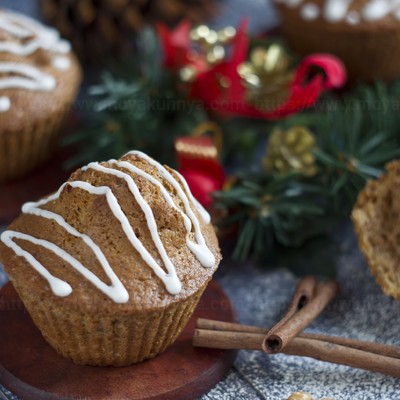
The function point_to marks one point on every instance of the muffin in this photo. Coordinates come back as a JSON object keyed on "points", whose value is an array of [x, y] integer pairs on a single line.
{"points": [[39, 79], [364, 34], [376, 218], [112, 265]]}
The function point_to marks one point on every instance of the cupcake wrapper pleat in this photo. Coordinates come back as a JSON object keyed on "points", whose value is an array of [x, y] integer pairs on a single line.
{"points": [[24, 150], [112, 340]]}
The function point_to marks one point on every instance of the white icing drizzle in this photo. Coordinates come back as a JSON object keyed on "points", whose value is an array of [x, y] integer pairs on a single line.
{"points": [[5, 103], [58, 286], [61, 63], [29, 77], [116, 291], [170, 279], [38, 36], [200, 249], [353, 18], [310, 11], [203, 212], [336, 10], [378, 9], [31, 36], [167, 176], [8, 25], [339, 10]]}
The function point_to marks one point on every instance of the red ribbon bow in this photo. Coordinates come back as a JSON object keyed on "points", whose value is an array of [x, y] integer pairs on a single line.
{"points": [[304, 90]]}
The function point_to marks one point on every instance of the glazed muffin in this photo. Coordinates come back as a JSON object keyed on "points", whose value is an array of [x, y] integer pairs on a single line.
{"points": [[39, 79], [376, 218], [112, 265], [364, 34]]}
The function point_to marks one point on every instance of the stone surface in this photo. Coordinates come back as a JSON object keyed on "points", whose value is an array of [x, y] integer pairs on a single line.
{"points": [[360, 311]]}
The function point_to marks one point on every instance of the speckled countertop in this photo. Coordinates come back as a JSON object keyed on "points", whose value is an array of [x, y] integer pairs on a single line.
{"points": [[359, 311]]}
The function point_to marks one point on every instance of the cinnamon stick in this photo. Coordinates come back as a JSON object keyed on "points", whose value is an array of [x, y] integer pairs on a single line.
{"points": [[227, 340], [338, 354], [308, 301], [372, 347], [302, 295], [284, 332], [213, 325], [301, 346]]}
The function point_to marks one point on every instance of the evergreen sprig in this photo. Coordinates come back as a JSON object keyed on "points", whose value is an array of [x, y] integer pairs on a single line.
{"points": [[269, 209], [356, 135], [135, 106]]}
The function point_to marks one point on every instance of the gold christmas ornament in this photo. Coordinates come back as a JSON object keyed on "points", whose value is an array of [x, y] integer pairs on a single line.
{"points": [[267, 76], [209, 43], [188, 73], [212, 38], [199, 33], [226, 35], [216, 54], [206, 37], [291, 151]]}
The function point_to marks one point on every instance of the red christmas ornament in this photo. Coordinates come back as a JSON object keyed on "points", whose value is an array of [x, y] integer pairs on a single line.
{"points": [[199, 165]]}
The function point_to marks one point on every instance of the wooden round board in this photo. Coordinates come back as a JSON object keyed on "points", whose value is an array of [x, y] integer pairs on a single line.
{"points": [[32, 370]]}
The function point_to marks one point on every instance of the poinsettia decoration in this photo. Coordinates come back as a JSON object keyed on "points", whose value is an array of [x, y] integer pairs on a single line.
{"points": [[221, 88]]}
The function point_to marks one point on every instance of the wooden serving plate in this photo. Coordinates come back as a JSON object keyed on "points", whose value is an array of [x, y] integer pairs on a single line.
{"points": [[32, 370]]}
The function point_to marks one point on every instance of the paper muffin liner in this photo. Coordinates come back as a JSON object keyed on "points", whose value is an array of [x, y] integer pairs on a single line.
{"points": [[111, 339], [23, 150]]}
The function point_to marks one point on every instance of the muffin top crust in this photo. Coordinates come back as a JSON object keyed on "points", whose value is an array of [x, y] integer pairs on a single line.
{"points": [[125, 232], [39, 75]]}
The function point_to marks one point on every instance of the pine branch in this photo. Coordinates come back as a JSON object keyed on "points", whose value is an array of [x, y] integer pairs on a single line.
{"points": [[135, 106], [362, 138], [271, 209], [356, 135]]}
